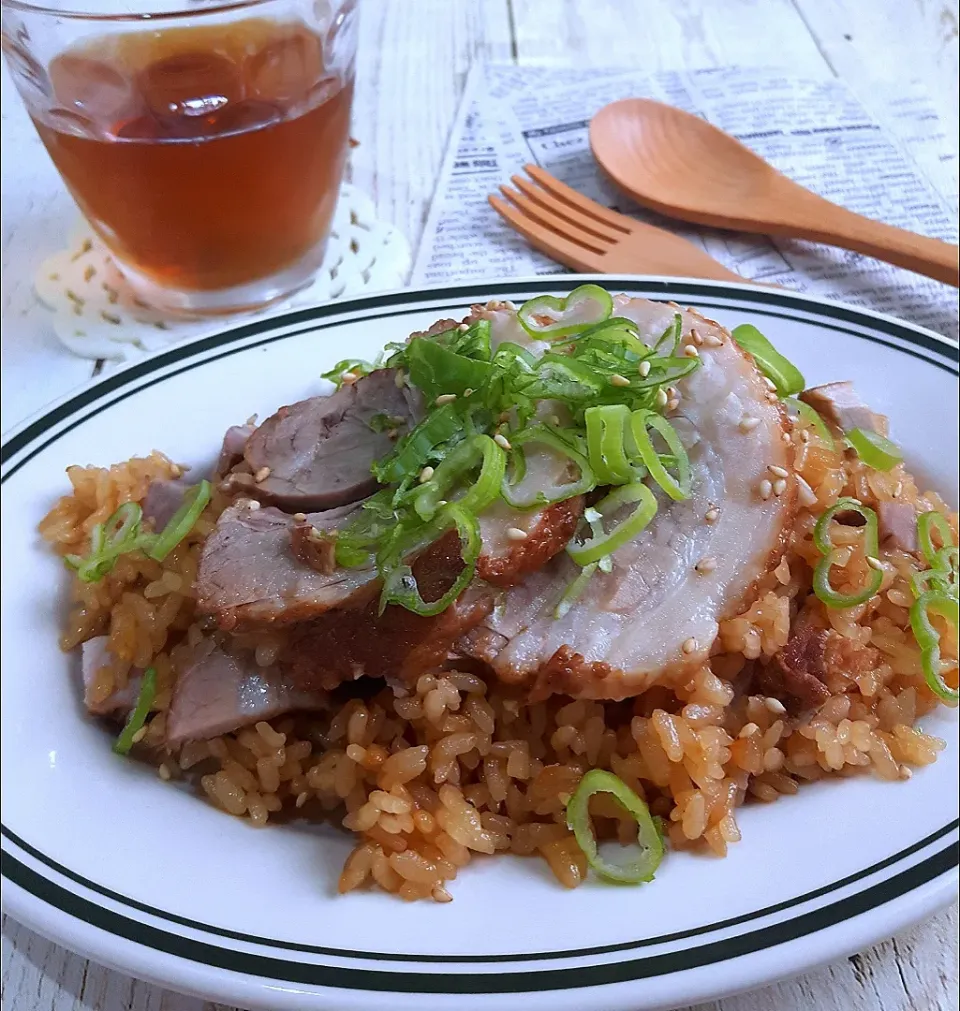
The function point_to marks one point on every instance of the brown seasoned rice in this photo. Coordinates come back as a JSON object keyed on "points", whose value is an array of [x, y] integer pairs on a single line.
{"points": [[461, 765]]}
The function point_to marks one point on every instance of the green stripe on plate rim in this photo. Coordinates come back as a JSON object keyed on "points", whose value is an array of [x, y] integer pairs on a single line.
{"points": [[945, 356]]}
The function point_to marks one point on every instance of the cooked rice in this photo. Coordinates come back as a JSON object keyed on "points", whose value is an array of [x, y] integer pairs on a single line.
{"points": [[461, 765]]}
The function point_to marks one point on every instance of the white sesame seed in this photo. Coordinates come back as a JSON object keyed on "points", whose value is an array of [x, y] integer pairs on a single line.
{"points": [[349, 377], [689, 645], [315, 534], [302, 798], [673, 393], [772, 398], [748, 423], [464, 327], [644, 368], [299, 517], [906, 772], [261, 475], [175, 470], [661, 398], [690, 351], [706, 565], [673, 404], [696, 338], [398, 379], [711, 515], [139, 735], [617, 380], [502, 441], [770, 384], [163, 771], [748, 730], [253, 505], [713, 341], [516, 534], [779, 486], [805, 493], [774, 705], [426, 474], [874, 563], [445, 398], [804, 435], [897, 490], [778, 471], [787, 438], [765, 489]]}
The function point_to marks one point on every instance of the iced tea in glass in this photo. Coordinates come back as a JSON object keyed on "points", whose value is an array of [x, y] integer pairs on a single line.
{"points": [[204, 146]]}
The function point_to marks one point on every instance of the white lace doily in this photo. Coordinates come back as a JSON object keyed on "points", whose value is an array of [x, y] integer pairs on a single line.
{"points": [[97, 315]]}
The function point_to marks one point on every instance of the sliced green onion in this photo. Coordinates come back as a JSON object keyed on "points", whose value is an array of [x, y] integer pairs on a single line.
{"points": [[399, 582], [181, 522], [677, 488], [456, 468], [821, 538], [811, 417], [927, 523], [875, 450], [437, 371], [672, 333], [119, 535], [606, 433], [511, 489], [548, 317], [649, 839], [353, 368], [559, 377], [136, 719], [787, 378], [928, 639], [575, 590], [416, 448], [600, 543]]}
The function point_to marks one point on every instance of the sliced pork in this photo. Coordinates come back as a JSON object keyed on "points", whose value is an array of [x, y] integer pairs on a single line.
{"points": [[162, 500], [231, 452], [897, 526], [841, 407], [658, 610], [317, 453], [250, 573], [218, 692], [94, 655]]}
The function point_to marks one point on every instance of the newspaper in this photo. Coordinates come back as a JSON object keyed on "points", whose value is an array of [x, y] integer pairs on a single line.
{"points": [[894, 162]]}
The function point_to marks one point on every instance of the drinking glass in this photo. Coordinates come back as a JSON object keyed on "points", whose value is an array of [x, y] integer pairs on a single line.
{"points": [[204, 142]]}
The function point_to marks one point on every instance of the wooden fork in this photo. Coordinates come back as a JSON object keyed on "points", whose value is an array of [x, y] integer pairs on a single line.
{"points": [[578, 232]]}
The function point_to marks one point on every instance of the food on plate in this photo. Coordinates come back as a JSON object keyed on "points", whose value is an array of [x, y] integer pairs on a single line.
{"points": [[594, 569]]}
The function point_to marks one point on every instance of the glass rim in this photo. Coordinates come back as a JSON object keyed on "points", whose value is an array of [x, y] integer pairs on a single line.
{"points": [[77, 14]]}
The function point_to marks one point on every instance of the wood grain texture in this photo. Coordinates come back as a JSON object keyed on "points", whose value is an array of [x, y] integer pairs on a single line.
{"points": [[413, 60]]}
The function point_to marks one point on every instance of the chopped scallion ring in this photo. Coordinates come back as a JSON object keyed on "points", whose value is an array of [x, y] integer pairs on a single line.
{"points": [[787, 378], [457, 469], [548, 317], [399, 582], [600, 543], [606, 432], [928, 639], [929, 523], [512, 485], [644, 866], [875, 450], [677, 488], [824, 544]]}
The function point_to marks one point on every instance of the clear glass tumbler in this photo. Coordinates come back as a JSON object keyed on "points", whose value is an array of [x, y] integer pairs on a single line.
{"points": [[204, 143]]}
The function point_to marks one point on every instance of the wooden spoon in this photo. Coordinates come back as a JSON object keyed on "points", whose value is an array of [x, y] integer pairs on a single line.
{"points": [[684, 167]]}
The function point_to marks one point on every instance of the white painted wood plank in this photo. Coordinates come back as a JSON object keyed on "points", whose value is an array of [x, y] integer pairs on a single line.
{"points": [[664, 34], [881, 42]]}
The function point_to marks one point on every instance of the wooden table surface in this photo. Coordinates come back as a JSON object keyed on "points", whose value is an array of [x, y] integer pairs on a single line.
{"points": [[414, 57]]}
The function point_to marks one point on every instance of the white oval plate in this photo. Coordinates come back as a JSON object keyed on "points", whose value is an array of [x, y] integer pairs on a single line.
{"points": [[103, 857]]}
